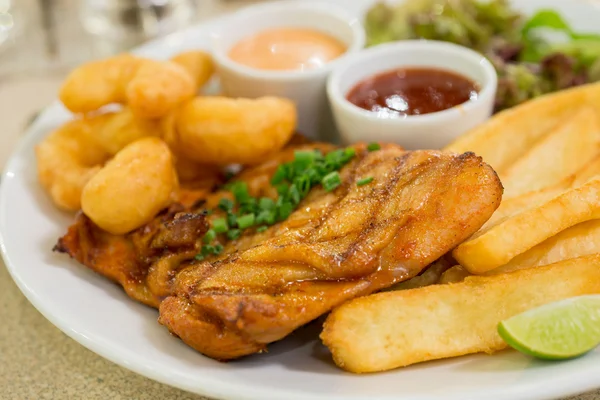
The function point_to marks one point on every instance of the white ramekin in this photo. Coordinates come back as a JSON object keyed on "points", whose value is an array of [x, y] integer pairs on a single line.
{"points": [[427, 131], [306, 88]]}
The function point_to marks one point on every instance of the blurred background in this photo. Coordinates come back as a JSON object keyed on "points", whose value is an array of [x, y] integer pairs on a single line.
{"points": [[41, 40]]}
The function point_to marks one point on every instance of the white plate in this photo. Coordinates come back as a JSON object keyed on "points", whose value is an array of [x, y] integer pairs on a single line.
{"points": [[100, 316]]}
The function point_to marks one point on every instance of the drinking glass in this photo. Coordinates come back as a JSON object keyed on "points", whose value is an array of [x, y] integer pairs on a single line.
{"points": [[128, 19]]}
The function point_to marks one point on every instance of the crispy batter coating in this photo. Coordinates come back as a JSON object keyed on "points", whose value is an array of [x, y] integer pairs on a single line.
{"points": [[151, 88], [132, 187], [66, 160], [221, 130]]}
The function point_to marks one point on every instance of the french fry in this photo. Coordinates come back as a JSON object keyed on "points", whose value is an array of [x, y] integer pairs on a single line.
{"points": [[566, 149], [587, 173], [577, 241], [511, 207], [395, 329], [517, 234], [510, 134]]}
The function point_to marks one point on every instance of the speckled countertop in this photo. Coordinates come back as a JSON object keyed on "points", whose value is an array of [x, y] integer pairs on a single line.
{"points": [[37, 361]]}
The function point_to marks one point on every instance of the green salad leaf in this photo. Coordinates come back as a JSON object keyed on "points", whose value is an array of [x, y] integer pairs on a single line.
{"points": [[529, 60]]}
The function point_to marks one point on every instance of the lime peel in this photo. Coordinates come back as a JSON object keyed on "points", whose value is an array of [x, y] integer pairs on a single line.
{"points": [[557, 331]]}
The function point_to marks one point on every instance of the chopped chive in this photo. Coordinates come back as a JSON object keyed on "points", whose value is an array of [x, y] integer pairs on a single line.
{"points": [[225, 204], [349, 152], [261, 229], [231, 220], [303, 184], [279, 175], [218, 249], [199, 257], [219, 225], [282, 189], [266, 203], [373, 146], [266, 217], [240, 191], [207, 249], [209, 236], [250, 205], [233, 234], [246, 221], [364, 181], [294, 194], [284, 211], [331, 181], [304, 158]]}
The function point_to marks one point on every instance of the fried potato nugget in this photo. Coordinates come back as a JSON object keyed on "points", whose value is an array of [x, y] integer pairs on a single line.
{"points": [[500, 244], [66, 160], [395, 329], [567, 148], [158, 87], [132, 187], [221, 130], [510, 134], [115, 130], [580, 240], [198, 64], [151, 88]]}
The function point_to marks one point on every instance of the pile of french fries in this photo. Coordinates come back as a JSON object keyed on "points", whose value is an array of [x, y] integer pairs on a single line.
{"points": [[541, 245]]}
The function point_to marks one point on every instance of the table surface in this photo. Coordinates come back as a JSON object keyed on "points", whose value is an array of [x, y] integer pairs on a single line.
{"points": [[37, 360]]}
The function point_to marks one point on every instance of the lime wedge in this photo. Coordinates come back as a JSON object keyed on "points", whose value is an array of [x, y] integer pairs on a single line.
{"points": [[556, 331]]}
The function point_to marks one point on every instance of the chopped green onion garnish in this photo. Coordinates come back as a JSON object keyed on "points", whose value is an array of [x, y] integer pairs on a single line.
{"points": [[261, 229], [219, 225], [249, 205], [266, 203], [233, 234], [209, 236], [364, 181], [207, 249], [225, 204], [279, 175], [240, 191], [231, 220], [303, 158], [331, 181], [373, 146], [284, 211], [199, 257], [294, 194], [218, 249], [246, 221], [282, 189], [266, 217]]}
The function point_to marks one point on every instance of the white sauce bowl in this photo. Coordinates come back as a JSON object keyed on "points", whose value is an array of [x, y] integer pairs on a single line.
{"points": [[305, 88], [427, 131]]}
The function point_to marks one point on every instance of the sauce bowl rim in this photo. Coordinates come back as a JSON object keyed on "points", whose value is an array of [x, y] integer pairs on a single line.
{"points": [[488, 87], [222, 58]]}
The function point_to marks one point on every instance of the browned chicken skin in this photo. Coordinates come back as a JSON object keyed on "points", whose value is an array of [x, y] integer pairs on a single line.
{"points": [[336, 246], [145, 261]]}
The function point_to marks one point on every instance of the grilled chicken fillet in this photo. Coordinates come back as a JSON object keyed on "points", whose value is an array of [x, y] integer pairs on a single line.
{"points": [[351, 242]]}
